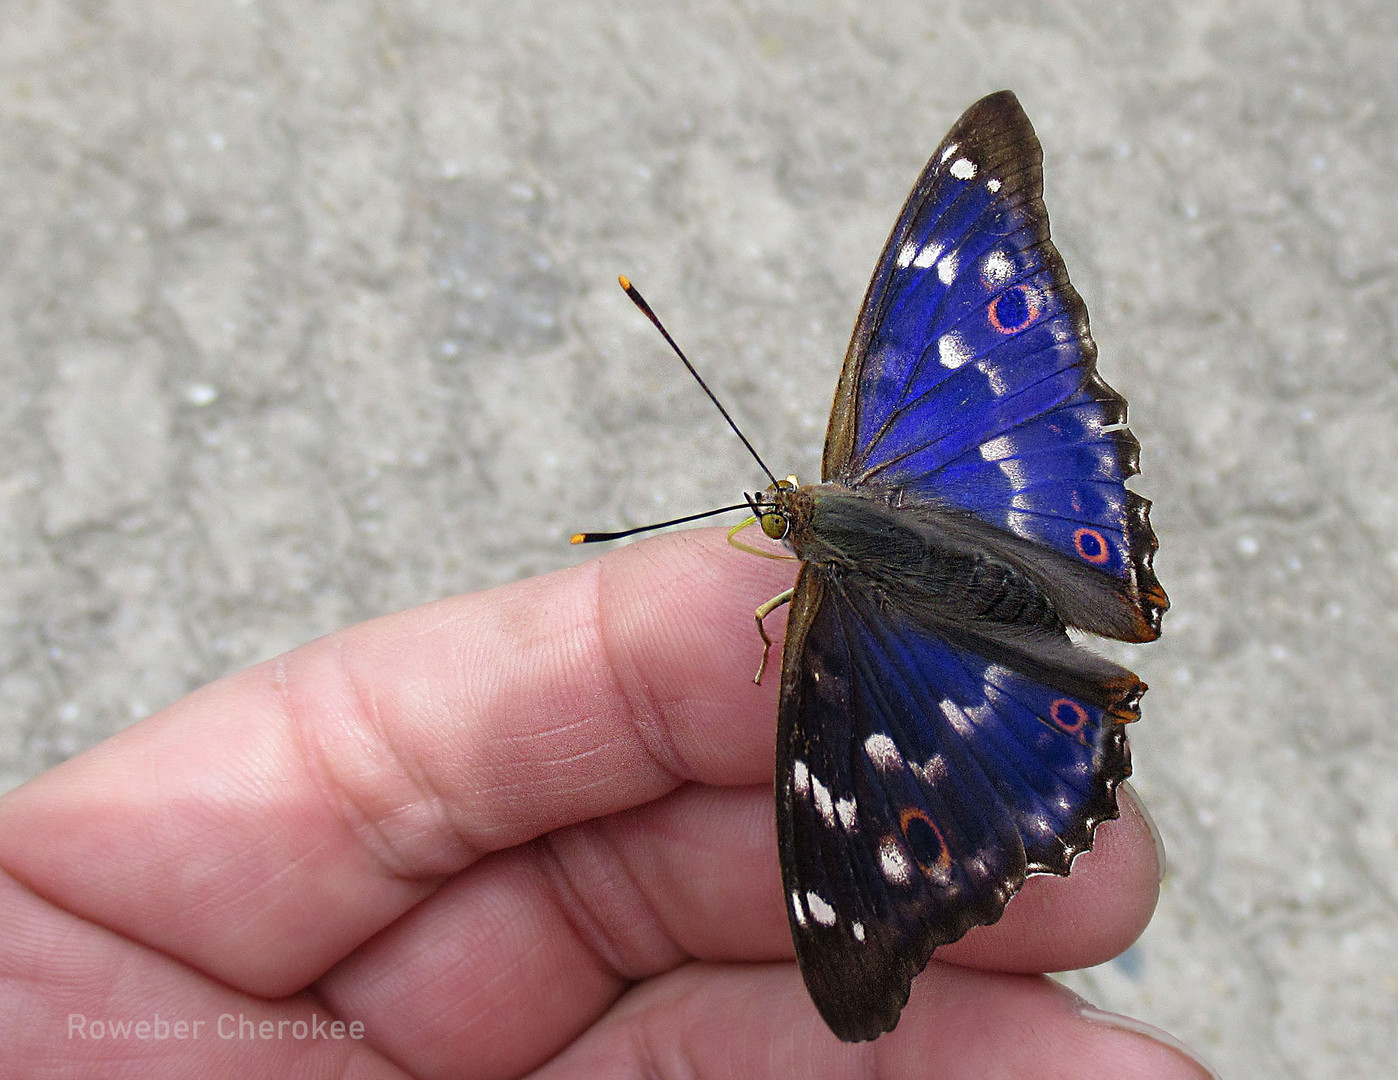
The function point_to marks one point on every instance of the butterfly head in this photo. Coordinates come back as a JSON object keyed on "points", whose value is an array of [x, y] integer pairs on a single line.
{"points": [[773, 508], [784, 512]]}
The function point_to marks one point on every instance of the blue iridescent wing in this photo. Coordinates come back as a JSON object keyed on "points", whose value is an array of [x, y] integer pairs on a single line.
{"points": [[971, 377], [918, 783]]}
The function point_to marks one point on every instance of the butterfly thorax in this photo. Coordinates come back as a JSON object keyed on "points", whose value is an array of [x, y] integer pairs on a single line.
{"points": [[927, 559]]}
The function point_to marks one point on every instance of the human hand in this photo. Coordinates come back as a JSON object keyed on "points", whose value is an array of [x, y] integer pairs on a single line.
{"points": [[528, 831]]}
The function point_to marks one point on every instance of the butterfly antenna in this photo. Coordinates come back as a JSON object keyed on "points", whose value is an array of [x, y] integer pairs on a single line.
{"points": [[593, 538], [640, 302]]}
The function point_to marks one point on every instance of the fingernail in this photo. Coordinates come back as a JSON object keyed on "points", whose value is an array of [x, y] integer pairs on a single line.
{"points": [[1140, 1027], [1127, 793]]}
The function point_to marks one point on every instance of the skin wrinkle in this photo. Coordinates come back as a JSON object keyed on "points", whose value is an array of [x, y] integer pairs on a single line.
{"points": [[569, 901], [218, 900], [494, 777], [643, 713], [658, 1054], [545, 737], [599, 934], [350, 1065], [100, 978], [341, 798], [555, 753]]}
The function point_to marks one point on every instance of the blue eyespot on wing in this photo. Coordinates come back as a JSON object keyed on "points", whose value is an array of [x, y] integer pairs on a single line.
{"points": [[918, 783], [971, 377]]}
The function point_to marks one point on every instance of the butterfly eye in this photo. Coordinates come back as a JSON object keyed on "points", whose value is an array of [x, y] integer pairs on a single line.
{"points": [[775, 525]]}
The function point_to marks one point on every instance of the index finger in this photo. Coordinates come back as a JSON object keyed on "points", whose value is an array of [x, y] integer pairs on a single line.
{"points": [[265, 825]]}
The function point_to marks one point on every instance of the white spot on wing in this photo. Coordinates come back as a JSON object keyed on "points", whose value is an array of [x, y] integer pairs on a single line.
{"points": [[999, 447], [992, 185], [946, 268], [959, 721], [883, 752], [821, 911], [982, 715], [905, 254], [952, 351], [951, 149], [845, 809], [963, 168], [893, 862], [1015, 472], [997, 673], [928, 255], [995, 379], [800, 778], [997, 268], [934, 769], [798, 910], [857, 928], [821, 795], [1019, 523]]}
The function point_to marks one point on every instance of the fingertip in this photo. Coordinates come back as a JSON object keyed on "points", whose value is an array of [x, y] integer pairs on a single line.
{"points": [[1172, 1057], [1131, 803]]}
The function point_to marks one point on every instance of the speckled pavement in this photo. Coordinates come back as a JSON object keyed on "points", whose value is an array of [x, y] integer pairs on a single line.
{"points": [[308, 313]]}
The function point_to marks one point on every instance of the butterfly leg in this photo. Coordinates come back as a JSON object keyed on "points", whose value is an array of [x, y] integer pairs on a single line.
{"points": [[761, 613]]}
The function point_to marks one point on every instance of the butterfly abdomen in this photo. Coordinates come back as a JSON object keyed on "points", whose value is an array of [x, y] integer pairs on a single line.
{"points": [[911, 563]]}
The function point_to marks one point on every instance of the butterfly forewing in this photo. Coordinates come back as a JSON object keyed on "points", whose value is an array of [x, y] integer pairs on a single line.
{"points": [[971, 375]]}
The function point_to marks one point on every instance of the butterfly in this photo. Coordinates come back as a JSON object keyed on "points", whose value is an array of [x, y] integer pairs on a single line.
{"points": [[939, 736]]}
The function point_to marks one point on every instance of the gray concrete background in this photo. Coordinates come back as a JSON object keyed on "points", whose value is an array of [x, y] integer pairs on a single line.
{"points": [[308, 313]]}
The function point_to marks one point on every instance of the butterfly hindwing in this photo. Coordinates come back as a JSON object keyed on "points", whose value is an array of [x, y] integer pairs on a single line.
{"points": [[971, 379], [918, 783]]}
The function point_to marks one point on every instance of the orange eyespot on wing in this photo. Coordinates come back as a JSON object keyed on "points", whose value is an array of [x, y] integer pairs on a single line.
{"points": [[925, 841], [1092, 546], [1068, 715], [1014, 310]]}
